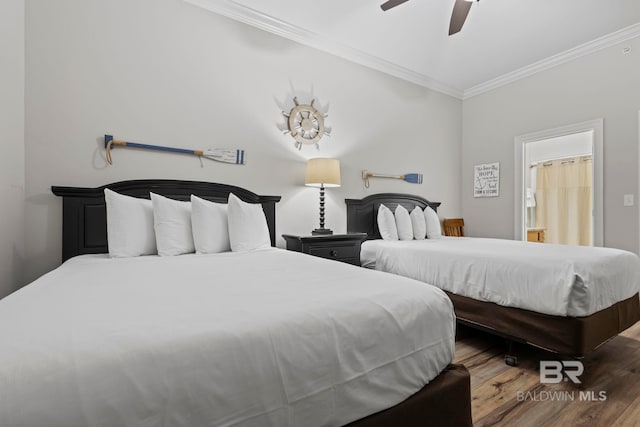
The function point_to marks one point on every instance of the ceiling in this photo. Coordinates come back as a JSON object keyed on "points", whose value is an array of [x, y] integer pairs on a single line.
{"points": [[501, 41]]}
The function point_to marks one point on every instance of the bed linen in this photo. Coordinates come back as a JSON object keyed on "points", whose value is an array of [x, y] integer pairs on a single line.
{"points": [[268, 337], [546, 278]]}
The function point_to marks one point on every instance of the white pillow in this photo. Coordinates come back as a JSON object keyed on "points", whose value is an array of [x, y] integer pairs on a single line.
{"points": [[433, 223], [248, 228], [210, 226], [418, 223], [172, 222], [387, 224], [129, 225], [403, 223]]}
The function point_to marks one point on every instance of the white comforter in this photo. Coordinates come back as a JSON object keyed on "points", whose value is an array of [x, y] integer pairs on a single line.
{"points": [[552, 279], [263, 338]]}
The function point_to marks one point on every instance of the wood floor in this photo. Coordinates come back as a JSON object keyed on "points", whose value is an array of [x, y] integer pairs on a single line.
{"points": [[513, 396]]}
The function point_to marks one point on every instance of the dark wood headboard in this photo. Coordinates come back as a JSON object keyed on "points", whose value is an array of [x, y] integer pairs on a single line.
{"points": [[84, 212], [362, 214]]}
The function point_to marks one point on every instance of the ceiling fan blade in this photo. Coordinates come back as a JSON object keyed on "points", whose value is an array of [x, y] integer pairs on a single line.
{"points": [[391, 3], [459, 15]]}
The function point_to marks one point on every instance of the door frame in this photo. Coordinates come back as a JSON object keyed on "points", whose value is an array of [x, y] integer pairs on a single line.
{"points": [[597, 126]]}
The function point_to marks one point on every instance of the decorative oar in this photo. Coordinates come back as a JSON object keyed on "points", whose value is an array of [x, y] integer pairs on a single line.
{"points": [[414, 178], [224, 155]]}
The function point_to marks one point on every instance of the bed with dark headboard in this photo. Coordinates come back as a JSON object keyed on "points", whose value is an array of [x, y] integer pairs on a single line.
{"points": [[444, 401], [571, 336], [84, 223], [362, 213]]}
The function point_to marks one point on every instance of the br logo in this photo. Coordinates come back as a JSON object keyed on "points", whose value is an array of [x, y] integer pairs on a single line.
{"points": [[553, 371]]}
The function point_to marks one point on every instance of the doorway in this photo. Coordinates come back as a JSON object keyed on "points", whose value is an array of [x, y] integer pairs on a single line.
{"points": [[558, 192], [559, 189]]}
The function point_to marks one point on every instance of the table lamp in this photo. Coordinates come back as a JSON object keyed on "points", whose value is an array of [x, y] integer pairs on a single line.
{"points": [[322, 172]]}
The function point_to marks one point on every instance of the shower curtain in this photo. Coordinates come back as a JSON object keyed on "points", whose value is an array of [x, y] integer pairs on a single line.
{"points": [[564, 201]]}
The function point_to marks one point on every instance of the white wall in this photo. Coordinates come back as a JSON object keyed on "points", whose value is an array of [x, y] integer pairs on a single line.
{"points": [[603, 84], [12, 141], [168, 73], [561, 147]]}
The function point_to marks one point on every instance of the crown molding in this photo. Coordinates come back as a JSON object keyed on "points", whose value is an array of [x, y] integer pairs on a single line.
{"points": [[588, 48], [249, 16], [273, 25]]}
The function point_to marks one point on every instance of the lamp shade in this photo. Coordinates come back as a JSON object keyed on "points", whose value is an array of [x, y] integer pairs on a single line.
{"points": [[323, 172]]}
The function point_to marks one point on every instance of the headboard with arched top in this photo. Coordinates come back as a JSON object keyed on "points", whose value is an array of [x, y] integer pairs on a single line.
{"points": [[84, 213], [362, 213]]}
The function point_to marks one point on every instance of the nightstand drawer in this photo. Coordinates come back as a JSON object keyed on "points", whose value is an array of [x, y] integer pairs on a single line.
{"points": [[339, 247], [338, 252]]}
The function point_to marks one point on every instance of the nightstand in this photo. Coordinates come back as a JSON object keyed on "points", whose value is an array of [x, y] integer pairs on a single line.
{"points": [[340, 247]]}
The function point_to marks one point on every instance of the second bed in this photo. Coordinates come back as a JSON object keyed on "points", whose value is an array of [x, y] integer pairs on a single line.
{"points": [[565, 299]]}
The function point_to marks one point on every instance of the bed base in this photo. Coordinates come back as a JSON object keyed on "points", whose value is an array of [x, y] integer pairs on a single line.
{"points": [[445, 401], [572, 337]]}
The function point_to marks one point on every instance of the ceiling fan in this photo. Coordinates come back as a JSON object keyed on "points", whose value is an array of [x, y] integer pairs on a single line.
{"points": [[458, 16]]}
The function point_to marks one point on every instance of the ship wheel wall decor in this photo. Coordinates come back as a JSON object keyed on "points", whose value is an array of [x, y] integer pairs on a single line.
{"points": [[306, 124]]}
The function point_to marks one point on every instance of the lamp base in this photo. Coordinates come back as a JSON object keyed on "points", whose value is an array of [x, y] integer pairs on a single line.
{"points": [[321, 231]]}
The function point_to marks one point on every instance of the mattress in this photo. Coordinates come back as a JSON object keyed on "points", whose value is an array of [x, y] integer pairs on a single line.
{"points": [[546, 278], [264, 338]]}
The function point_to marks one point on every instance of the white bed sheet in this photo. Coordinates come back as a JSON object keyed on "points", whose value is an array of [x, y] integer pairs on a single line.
{"points": [[553, 279], [265, 338]]}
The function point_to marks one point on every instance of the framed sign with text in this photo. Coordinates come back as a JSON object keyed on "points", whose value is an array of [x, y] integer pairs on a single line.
{"points": [[486, 180]]}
